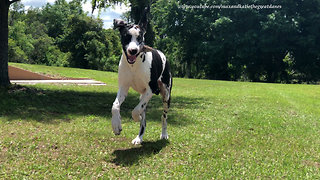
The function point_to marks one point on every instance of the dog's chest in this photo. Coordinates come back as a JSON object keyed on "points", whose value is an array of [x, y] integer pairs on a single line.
{"points": [[137, 75], [140, 79]]}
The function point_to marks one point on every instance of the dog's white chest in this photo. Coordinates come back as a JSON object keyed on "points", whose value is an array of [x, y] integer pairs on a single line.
{"points": [[139, 85], [137, 75]]}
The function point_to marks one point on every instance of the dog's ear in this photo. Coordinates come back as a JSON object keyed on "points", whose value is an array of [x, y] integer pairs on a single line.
{"points": [[118, 24], [144, 18]]}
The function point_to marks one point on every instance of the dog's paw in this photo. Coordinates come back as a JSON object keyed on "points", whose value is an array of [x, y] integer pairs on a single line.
{"points": [[137, 141], [164, 136], [116, 125]]}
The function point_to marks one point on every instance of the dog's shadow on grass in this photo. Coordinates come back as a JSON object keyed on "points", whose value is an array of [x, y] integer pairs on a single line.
{"points": [[127, 157]]}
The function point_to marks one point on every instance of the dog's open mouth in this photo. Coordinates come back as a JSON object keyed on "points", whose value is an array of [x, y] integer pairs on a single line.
{"points": [[132, 59]]}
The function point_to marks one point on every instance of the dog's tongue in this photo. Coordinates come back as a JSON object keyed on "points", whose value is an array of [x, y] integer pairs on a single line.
{"points": [[132, 59]]}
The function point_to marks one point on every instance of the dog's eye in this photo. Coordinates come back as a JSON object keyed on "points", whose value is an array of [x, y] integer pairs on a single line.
{"points": [[126, 39]]}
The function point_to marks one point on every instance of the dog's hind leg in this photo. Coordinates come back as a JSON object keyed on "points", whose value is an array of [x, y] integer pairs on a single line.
{"points": [[164, 117], [166, 97], [143, 125], [139, 113]]}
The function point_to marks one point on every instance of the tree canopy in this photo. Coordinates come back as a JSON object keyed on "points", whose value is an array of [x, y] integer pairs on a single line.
{"points": [[273, 45], [62, 34]]}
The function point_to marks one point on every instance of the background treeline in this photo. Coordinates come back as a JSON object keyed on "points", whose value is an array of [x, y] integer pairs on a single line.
{"points": [[269, 45], [61, 34]]}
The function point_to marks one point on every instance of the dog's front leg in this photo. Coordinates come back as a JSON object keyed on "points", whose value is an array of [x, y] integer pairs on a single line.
{"points": [[139, 113], [116, 118]]}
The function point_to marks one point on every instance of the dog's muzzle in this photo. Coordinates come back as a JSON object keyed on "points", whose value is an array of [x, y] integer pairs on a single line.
{"points": [[132, 58], [132, 55]]}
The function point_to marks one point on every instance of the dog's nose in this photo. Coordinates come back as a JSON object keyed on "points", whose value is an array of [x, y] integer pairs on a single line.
{"points": [[133, 51]]}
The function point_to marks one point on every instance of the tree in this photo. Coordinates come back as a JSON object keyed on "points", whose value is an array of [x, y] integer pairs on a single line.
{"points": [[306, 50], [61, 34], [55, 26], [105, 3], [4, 11], [21, 44], [76, 36], [56, 15], [270, 45]]}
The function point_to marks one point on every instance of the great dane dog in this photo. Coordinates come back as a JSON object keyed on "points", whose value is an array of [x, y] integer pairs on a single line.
{"points": [[144, 69]]}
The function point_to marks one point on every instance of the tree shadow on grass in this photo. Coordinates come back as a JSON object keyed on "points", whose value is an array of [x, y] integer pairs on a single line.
{"points": [[48, 105], [54, 106], [127, 157]]}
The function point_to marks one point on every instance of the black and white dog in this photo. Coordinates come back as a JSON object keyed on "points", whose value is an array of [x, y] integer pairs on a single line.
{"points": [[144, 69]]}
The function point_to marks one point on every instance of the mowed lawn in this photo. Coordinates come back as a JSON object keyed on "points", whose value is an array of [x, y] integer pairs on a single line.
{"points": [[217, 130]]}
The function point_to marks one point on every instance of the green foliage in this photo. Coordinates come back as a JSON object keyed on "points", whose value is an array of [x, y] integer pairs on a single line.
{"points": [[16, 54], [20, 43], [56, 16], [242, 44], [105, 3], [61, 34], [89, 44], [57, 58]]}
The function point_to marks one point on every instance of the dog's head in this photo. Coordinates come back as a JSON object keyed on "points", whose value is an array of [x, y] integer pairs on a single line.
{"points": [[132, 36]]}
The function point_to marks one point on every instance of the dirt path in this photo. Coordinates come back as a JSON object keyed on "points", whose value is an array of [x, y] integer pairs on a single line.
{"points": [[21, 76]]}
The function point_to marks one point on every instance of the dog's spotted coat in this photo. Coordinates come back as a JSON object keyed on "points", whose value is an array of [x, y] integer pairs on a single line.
{"points": [[146, 71]]}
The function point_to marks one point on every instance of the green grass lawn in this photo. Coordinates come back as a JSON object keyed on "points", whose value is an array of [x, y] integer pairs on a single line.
{"points": [[217, 129]]}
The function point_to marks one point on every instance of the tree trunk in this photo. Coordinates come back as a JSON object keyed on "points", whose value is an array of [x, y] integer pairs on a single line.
{"points": [[4, 76], [188, 69]]}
